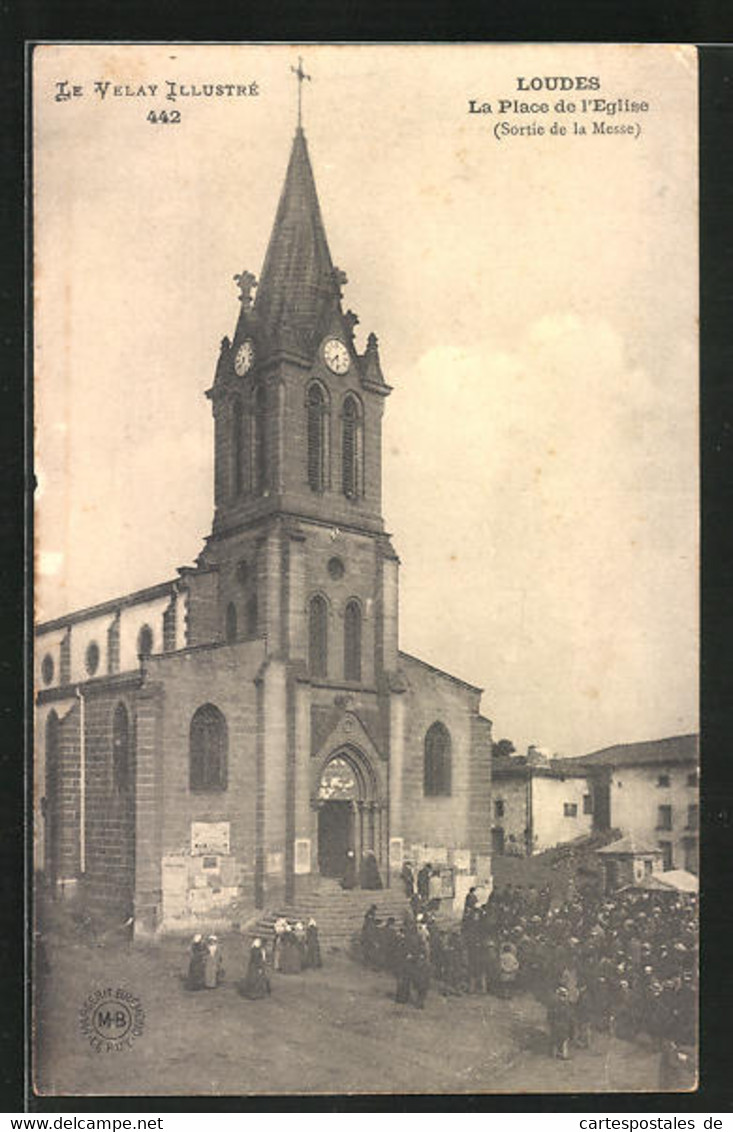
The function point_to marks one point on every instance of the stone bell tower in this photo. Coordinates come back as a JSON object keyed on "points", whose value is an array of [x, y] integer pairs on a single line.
{"points": [[298, 421]]}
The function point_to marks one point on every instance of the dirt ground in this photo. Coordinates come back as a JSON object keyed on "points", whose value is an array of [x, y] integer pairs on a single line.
{"points": [[337, 1030]]}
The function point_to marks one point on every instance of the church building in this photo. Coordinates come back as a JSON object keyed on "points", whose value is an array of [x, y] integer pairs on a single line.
{"points": [[220, 741]]}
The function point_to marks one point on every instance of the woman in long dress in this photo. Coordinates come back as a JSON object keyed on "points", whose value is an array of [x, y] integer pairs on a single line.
{"points": [[370, 877], [197, 956], [349, 878], [213, 965], [256, 983], [300, 938], [280, 927], [312, 945], [290, 957]]}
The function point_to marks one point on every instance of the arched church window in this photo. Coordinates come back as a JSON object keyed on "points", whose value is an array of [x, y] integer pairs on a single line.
{"points": [[231, 623], [437, 780], [352, 641], [317, 417], [121, 761], [53, 750], [261, 453], [252, 617], [145, 641], [239, 447], [351, 448], [318, 636], [91, 657], [208, 749], [50, 802]]}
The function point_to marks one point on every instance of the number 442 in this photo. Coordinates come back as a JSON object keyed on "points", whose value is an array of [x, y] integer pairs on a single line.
{"points": [[164, 117]]}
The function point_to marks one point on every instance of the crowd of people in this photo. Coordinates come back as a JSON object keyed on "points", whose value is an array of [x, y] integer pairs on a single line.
{"points": [[625, 964], [295, 947]]}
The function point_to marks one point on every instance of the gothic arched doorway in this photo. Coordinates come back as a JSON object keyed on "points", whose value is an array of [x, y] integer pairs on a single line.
{"points": [[348, 812]]}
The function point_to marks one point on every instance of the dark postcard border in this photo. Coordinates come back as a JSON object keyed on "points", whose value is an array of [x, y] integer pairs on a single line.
{"points": [[716, 174]]}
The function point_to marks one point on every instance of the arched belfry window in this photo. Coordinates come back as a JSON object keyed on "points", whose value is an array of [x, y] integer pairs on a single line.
{"points": [[437, 780], [317, 432], [238, 446], [318, 636], [231, 623], [121, 754], [351, 448], [260, 440], [352, 641], [208, 749]]}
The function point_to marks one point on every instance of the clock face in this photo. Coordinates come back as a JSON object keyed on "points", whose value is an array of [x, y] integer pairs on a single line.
{"points": [[336, 355], [245, 357]]}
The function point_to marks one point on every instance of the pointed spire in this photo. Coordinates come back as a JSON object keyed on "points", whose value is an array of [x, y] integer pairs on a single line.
{"points": [[298, 285], [373, 378]]}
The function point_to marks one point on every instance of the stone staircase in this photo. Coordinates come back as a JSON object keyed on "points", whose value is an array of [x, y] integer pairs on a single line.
{"points": [[338, 912]]}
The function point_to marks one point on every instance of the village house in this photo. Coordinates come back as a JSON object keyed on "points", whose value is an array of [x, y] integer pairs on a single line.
{"points": [[649, 790], [538, 803]]}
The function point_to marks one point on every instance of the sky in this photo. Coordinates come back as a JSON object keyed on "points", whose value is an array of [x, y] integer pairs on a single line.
{"points": [[535, 300]]}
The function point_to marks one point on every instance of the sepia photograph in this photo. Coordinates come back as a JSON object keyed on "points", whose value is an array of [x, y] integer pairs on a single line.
{"points": [[366, 738]]}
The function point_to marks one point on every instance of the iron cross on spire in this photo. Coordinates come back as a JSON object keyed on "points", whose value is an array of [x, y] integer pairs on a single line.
{"points": [[301, 77]]}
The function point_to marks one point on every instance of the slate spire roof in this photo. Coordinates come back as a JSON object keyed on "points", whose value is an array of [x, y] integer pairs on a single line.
{"points": [[299, 287]]}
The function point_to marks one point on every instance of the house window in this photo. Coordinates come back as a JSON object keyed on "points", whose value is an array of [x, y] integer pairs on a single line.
{"points": [[91, 659], [208, 747], [570, 810], [318, 636], [352, 641], [648, 867], [692, 817], [664, 817], [317, 417], [498, 807], [689, 845], [666, 847], [663, 780], [587, 803], [121, 768], [145, 641], [692, 778], [437, 763], [231, 623], [351, 445]]}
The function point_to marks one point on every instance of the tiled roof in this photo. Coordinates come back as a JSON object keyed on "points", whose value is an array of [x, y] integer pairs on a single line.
{"points": [[629, 846], [676, 749]]}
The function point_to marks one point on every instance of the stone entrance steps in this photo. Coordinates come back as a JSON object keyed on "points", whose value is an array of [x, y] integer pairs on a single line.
{"points": [[338, 912]]}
